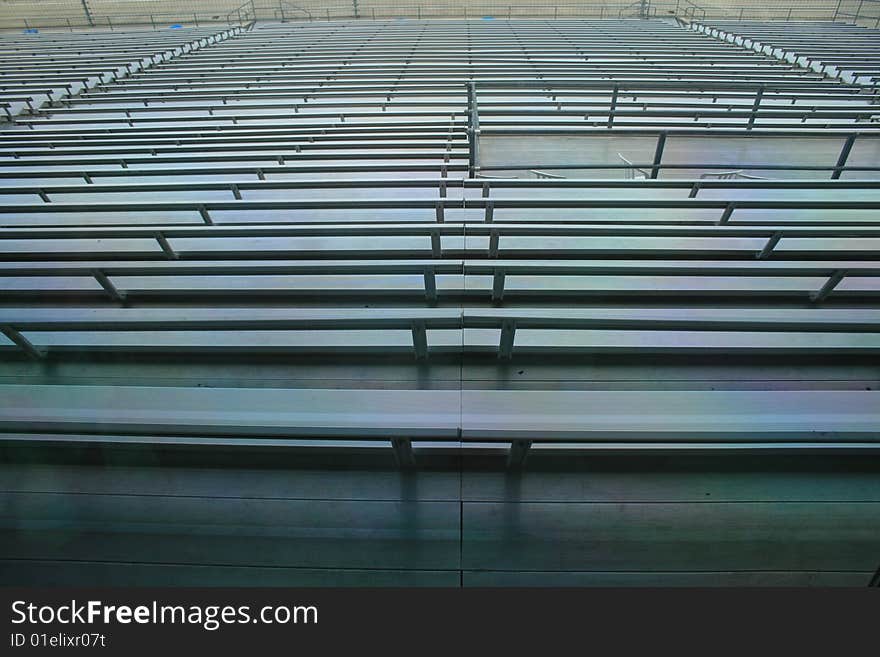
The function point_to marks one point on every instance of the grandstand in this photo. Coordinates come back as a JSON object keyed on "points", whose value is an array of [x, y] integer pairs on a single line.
{"points": [[442, 301]]}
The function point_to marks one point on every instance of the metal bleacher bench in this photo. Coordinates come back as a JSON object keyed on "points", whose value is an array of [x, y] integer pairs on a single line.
{"points": [[696, 420]]}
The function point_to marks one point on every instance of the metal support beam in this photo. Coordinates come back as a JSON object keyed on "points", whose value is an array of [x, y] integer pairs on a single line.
{"points": [[658, 155], [519, 450], [490, 211], [508, 332], [85, 6], [844, 156], [875, 579], [755, 106], [26, 346], [166, 246], [108, 286], [436, 250], [829, 286], [430, 286], [473, 133], [613, 105], [494, 239], [498, 285], [420, 339], [403, 452], [728, 210], [770, 245]]}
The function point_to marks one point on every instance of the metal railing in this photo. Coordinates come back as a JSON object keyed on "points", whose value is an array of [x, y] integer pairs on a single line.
{"points": [[287, 11], [244, 15], [101, 16], [690, 10], [842, 12]]}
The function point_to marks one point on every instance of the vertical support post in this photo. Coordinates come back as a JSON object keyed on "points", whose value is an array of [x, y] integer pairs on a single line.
{"points": [[613, 105], [658, 155], [508, 332], [498, 285], [473, 129], [420, 339], [490, 211], [858, 12], [430, 286], [728, 210], [403, 452], [470, 128], [494, 238], [519, 449], [755, 106], [836, 11], [844, 156], [85, 6], [436, 251], [354, 4]]}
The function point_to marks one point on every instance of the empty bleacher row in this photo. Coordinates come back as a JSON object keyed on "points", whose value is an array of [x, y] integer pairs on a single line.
{"points": [[42, 68], [849, 52], [319, 191]]}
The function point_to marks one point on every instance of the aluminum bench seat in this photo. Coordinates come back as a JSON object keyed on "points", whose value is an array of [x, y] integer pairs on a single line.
{"points": [[557, 342], [40, 331], [375, 414], [537, 287], [671, 416], [226, 287], [553, 342], [696, 420], [228, 186], [434, 278], [390, 241]]}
